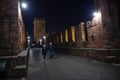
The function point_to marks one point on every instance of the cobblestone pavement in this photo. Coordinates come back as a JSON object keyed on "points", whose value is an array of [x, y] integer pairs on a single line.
{"points": [[68, 67]]}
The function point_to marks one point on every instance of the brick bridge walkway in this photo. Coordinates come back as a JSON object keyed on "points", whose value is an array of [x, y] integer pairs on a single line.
{"points": [[68, 67]]}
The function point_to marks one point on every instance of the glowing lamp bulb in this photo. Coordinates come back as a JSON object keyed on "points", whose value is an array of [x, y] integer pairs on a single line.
{"points": [[24, 5], [95, 14]]}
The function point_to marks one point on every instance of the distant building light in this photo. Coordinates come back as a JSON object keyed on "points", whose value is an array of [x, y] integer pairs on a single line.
{"points": [[28, 40], [40, 40], [28, 37], [44, 37]]}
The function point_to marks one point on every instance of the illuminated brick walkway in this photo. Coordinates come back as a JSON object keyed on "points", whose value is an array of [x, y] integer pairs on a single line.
{"points": [[68, 67]]}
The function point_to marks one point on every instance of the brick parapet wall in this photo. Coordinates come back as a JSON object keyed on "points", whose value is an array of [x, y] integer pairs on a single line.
{"points": [[14, 65], [98, 54]]}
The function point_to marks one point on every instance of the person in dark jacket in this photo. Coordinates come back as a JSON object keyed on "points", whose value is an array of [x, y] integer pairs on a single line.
{"points": [[44, 51], [51, 50]]}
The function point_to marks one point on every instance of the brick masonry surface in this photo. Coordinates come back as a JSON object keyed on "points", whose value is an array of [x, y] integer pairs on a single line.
{"points": [[104, 55]]}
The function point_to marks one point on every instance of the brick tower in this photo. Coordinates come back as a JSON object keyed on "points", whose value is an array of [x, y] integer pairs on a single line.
{"points": [[39, 28]]}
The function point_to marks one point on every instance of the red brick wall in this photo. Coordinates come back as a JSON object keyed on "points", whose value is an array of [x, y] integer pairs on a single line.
{"points": [[105, 33], [96, 36], [12, 28]]}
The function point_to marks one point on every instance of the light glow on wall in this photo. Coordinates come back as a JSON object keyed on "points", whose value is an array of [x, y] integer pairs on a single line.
{"points": [[66, 35], [83, 31], [73, 33]]}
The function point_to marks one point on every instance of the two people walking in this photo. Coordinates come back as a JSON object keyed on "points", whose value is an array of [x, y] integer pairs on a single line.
{"points": [[48, 49]]}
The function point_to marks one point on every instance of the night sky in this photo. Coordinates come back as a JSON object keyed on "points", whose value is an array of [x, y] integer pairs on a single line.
{"points": [[59, 14]]}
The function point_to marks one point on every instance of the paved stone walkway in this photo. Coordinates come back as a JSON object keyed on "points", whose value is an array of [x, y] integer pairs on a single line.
{"points": [[68, 67]]}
